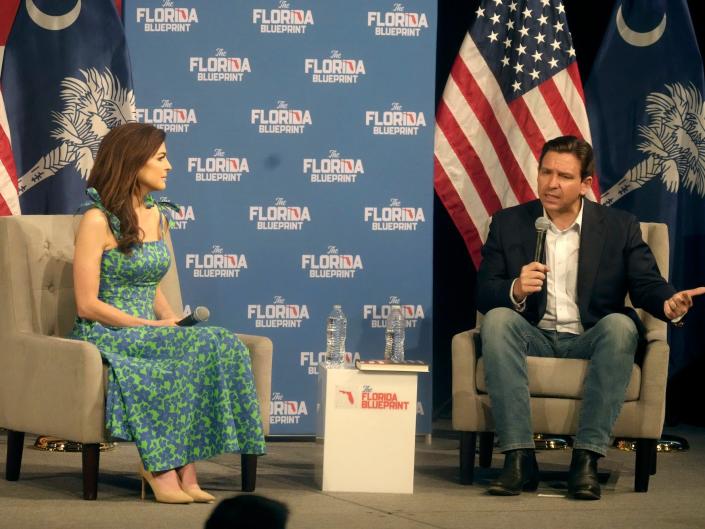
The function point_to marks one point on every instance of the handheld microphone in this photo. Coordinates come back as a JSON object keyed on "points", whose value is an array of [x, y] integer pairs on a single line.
{"points": [[542, 224], [198, 315]]}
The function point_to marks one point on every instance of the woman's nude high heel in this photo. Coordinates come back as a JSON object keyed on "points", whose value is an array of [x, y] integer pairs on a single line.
{"points": [[162, 496], [198, 494]]}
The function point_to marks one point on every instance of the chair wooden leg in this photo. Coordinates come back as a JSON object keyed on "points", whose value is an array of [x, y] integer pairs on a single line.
{"points": [[643, 465], [486, 446], [15, 444], [91, 462], [248, 463], [654, 453], [467, 457]]}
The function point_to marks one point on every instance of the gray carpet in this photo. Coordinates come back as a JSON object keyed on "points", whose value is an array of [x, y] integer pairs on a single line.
{"points": [[48, 494]]}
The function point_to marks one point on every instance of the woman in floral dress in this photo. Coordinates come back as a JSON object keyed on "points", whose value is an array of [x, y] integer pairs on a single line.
{"points": [[180, 393]]}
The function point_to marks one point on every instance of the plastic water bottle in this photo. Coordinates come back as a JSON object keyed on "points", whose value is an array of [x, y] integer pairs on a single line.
{"points": [[336, 329], [394, 334]]}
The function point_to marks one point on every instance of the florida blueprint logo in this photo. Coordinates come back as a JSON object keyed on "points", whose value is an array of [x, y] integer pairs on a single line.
{"points": [[280, 120], [167, 18], [335, 69], [220, 67], [278, 314], [218, 167], [394, 217], [335, 169], [395, 122], [284, 19], [332, 264], [283, 411], [397, 23], [280, 216], [216, 264], [168, 117]]}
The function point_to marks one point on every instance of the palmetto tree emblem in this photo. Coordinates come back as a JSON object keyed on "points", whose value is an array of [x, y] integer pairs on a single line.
{"points": [[674, 142], [92, 106]]}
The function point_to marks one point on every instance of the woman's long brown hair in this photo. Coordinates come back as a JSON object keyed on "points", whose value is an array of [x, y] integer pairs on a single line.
{"points": [[122, 153]]}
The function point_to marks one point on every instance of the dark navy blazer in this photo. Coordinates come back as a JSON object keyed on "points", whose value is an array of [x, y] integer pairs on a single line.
{"points": [[613, 261]]}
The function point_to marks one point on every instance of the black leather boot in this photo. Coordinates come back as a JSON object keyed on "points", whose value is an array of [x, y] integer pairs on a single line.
{"points": [[582, 476], [520, 472]]}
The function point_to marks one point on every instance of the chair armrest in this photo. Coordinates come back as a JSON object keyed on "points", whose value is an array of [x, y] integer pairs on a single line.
{"points": [[52, 386], [464, 362], [261, 350], [644, 418], [654, 372]]}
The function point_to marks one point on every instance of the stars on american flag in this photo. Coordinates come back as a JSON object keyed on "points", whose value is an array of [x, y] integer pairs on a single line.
{"points": [[493, 119], [527, 41]]}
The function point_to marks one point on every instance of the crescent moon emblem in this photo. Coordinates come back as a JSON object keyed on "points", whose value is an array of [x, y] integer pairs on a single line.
{"points": [[637, 38], [52, 22]]}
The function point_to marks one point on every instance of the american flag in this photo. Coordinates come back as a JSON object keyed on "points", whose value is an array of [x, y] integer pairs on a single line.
{"points": [[9, 201], [514, 85]]}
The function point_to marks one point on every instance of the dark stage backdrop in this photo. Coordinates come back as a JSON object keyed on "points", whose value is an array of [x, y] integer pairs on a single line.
{"points": [[454, 274]]}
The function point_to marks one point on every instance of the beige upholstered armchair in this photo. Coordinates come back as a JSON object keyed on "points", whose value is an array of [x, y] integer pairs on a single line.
{"points": [[55, 386], [556, 387]]}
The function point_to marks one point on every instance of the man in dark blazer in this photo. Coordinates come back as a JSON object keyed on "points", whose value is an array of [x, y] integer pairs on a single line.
{"points": [[570, 307]]}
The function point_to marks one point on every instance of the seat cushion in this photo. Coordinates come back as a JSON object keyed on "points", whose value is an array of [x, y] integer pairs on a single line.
{"points": [[559, 377]]}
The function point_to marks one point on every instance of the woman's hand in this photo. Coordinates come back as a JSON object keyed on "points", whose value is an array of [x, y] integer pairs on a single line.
{"points": [[166, 322]]}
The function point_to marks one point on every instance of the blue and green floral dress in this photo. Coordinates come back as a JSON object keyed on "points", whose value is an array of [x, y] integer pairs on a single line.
{"points": [[180, 393]]}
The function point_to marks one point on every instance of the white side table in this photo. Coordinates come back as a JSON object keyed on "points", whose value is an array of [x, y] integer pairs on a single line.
{"points": [[367, 421]]}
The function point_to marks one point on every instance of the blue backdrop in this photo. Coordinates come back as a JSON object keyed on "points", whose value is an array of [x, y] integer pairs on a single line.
{"points": [[301, 135]]}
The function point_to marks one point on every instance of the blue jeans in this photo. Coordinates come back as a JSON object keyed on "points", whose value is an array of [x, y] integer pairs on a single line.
{"points": [[507, 339]]}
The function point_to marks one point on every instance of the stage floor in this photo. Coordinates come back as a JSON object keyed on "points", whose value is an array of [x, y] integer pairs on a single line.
{"points": [[48, 494]]}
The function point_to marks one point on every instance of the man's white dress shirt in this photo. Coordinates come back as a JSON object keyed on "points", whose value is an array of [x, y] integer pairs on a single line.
{"points": [[562, 250]]}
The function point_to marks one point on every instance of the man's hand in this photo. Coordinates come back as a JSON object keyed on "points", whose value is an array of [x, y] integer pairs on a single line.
{"points": [[530, 280], [677, 305]]}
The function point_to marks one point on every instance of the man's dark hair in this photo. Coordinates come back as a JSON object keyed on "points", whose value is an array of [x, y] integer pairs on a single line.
{"points": [[581, 149], [248, 511]]}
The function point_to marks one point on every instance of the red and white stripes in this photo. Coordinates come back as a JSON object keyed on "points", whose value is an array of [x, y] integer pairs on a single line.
{"points": [[487, 148], [9, 200]]}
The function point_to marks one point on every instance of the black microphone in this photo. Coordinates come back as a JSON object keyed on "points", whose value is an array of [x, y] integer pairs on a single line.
{"points": [[197, 316], [542, 224]]}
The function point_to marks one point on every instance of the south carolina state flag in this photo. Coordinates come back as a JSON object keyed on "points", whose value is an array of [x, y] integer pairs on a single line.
{"points": [[645, 105], [66, 81]]}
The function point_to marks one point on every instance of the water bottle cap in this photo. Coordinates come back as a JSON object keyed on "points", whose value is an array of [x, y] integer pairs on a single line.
{"points": [[337, 306]]}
